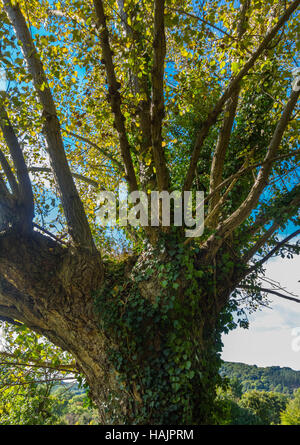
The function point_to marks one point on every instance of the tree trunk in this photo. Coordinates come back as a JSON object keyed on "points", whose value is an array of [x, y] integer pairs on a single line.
{"points": [[146, 337], [162, 328]]}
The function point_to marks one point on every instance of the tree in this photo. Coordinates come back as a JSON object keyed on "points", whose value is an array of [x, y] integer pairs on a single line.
{"points": [[27, 406], [266, 406], [236, 388], [291, 415], [161, 96], [250, 408], [30, 367], [76, 413], [273, 378], [231, 411]]}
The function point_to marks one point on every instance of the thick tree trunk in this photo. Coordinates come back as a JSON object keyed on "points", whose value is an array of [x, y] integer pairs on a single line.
{"points": [[146, 337], [162, 325]]}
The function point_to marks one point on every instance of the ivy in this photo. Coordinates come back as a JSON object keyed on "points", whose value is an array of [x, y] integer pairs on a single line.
{"points": [[159, 354]]}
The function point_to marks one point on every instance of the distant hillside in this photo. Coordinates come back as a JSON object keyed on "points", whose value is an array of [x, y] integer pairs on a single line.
{"points": [[272, 378]]}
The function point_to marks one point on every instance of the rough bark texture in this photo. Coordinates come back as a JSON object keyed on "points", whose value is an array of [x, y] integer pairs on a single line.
{"points": [[145, 332], [58, 300]]}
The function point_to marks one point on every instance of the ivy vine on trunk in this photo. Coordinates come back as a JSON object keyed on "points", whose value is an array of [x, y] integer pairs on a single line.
{"points": [[160, 96]]}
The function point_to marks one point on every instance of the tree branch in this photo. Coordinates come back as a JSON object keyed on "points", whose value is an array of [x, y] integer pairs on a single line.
{"points": [[24, 184], [114, 95], [221, 148], [9, 313], [212, 116], [157, 103], [4, 192], [37, 364], [140, 87], [274, 250], [262, 240], [250, 202], [270, 291], [226, 129], [54, 379], [193, 16], [263, 219], [97, 147], [76, 219], [9, 174], [75, 175], [10, 320], [50, 234]]}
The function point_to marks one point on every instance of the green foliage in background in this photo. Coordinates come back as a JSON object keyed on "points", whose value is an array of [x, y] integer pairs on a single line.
{"points": [[291, 415], [271, 378]]}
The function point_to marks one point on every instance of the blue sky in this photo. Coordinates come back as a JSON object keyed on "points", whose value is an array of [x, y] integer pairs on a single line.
{"points": [[269, 339]]}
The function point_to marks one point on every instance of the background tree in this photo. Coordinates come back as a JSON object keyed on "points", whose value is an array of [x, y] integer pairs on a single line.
{"points": [[231, 410], [30, 367], [291, 415], [158, 95], [39, 384], [250, 408], [271, 378], [266, 406]]}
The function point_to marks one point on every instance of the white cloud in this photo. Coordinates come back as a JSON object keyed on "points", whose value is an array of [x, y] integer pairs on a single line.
{"points": [[268, 341]]}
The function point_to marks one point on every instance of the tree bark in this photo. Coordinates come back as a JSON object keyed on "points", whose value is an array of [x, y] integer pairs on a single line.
{"points": [[56, 299], [149, 352], [145, 332]]}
